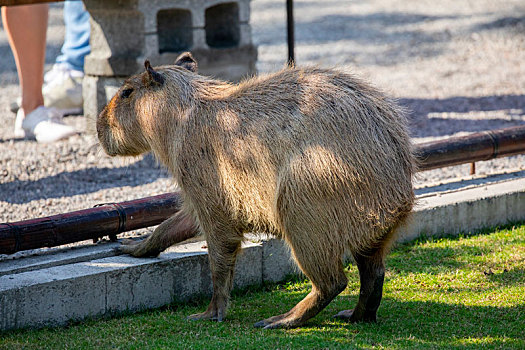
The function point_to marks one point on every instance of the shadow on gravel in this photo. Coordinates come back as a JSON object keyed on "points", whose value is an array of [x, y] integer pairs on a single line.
{"points": [[14, 139], [375, 29], [505, 22], [420, 108], [67, 184]]}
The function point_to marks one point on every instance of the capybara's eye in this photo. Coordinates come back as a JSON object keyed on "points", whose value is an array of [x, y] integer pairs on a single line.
{"points": [[125, 93]]}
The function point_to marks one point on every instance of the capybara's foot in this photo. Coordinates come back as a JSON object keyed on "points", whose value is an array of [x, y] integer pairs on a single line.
{"points": [[287, 320], [137, 249], [351, 316], [213, 314], [268, 321], [207, 315], [216, 311]]}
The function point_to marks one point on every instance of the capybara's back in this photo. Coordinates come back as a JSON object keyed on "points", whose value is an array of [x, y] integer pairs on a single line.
{"points": [[313, 156], [316, 150]]}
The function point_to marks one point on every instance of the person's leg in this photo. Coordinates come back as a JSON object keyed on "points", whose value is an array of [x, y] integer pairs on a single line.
{"points": [[26, 31], [76, 41], [26, 28]]}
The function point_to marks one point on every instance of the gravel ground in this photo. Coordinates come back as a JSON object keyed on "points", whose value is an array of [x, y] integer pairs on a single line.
{"points": [[458, 66]]}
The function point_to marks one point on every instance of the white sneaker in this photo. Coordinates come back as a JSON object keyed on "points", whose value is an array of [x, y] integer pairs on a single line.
{"points": [[45, 124], [63, 89]]}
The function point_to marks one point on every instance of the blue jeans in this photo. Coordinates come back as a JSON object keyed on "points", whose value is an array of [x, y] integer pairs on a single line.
{"points": [[76, 41]]}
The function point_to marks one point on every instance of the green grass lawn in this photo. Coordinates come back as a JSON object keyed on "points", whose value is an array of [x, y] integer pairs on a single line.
{"points": [[466, 292]]}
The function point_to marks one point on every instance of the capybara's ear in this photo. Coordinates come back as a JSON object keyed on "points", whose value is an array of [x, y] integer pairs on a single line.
{"points": [[186, 60], [153, 76]]}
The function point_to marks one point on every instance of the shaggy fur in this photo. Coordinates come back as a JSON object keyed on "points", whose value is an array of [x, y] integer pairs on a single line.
{"points": [[313, 156]]}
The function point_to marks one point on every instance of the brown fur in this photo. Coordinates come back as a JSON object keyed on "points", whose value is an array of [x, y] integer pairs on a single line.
{"points": [[313, 156]]}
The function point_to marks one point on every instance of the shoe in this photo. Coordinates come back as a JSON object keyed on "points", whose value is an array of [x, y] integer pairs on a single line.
{"points": [[63, 89], [19, 132], [45, 125]]}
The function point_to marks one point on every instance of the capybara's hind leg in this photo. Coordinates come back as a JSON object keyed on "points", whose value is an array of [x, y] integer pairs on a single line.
{"points": [[222, 254], [175, 229], [325, 270], [371, 274]]}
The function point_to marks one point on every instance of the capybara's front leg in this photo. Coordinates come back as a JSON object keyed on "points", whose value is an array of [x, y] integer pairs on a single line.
{"points": [[222, 253], [371, 275], [175, 229]]}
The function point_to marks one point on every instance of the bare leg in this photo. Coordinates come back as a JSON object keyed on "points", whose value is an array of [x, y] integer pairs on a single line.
{"points": [[222, 251], [325, 270], [371, 274], [26, 31], [176, 229]]}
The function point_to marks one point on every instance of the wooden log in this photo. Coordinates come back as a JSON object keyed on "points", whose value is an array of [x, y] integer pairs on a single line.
{"points": [[472, 148], [108, 219]]}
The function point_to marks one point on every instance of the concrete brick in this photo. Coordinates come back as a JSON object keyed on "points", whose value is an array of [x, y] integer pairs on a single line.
{"points": [[151, 48], [199, 39], [117, 39], [97, 91], [192, 277], [467, 210], [243, 5], [231, 64], [62, 301], [249, 266], [137, 287], [515, 206], [8, 310], [52, 296], [245, 34], [277, 261], [244, 11], [197, 9]]}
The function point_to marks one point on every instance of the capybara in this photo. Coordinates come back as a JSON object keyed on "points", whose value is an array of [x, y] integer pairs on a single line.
{"points": [[313, 156]]}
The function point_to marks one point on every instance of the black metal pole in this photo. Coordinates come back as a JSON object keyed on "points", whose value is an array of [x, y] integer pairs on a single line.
{"points": [[290, 27]]}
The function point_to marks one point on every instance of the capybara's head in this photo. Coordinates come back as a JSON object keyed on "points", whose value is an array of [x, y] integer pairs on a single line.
{"points": [[141, 104]]}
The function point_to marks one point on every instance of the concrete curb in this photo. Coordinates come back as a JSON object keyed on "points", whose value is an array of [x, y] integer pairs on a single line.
{"points": [[40, 296], [73, 285], [479, 203]]}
